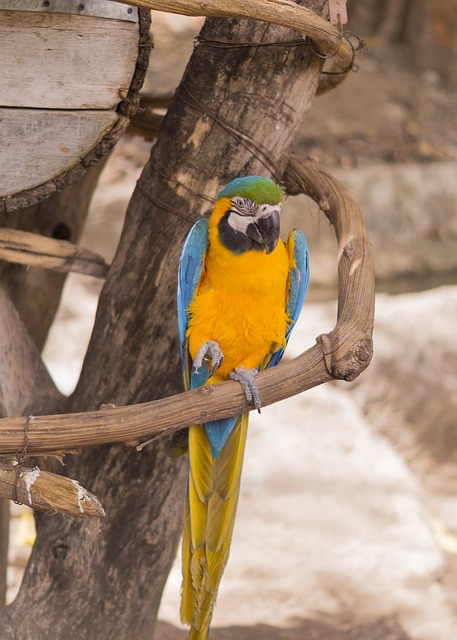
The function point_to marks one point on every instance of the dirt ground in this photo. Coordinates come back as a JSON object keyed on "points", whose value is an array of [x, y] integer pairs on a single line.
{"points": [[347, 526], [383, 113]]}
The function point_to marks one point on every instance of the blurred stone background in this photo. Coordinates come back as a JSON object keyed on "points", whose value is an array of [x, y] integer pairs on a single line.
{"points": [[347, 526]]}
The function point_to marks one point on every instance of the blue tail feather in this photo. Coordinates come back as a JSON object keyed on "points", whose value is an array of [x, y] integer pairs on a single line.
{"points": [[218, 432]]}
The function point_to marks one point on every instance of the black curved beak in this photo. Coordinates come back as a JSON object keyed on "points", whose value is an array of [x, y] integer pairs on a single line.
{"points": [[265, 231]]}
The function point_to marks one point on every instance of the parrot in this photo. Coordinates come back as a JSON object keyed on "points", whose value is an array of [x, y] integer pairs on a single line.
{"points": [[240, 292]]}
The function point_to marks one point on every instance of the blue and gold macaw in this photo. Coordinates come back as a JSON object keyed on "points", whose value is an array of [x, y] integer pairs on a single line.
{"points": [[240, 292]]}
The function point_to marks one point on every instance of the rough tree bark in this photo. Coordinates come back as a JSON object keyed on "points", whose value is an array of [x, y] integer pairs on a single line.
{"points": [[236, 111], [4, 541]]}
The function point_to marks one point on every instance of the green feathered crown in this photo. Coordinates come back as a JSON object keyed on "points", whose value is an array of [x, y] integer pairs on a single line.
{"points": [[256, 188]]}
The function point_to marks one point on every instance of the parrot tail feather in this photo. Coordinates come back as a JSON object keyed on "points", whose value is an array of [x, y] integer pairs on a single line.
{"points": [[214, 485], [196, 634]]}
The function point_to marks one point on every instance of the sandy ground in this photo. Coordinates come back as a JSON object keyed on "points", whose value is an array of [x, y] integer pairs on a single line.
{"points": [[337, 535], [347, 525]]}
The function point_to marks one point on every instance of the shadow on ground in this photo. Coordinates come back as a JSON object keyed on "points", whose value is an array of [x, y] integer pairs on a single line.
{"points": [[386, 629]]}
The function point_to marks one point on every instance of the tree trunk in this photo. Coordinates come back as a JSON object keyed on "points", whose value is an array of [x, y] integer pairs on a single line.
{"points": [[36, 295], [36, 292], [4, 539], [236, 112]]}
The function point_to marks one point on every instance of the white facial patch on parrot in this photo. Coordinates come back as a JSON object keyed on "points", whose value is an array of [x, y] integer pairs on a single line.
{"points": [[244, 212]]}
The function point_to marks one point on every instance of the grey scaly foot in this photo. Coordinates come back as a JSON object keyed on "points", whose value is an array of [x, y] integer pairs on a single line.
{"points": [[209, 350], [246, 378]]}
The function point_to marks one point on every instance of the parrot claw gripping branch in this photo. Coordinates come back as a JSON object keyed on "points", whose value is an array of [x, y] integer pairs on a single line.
{"points": [[246, 377], [225, 337]]}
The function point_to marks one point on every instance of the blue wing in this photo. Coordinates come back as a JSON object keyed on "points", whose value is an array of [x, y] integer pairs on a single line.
{"points": [[190, 270], [189, 274], [297, 249]]}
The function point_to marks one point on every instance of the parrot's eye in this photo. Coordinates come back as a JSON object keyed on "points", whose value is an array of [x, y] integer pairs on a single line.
{"points": [[243, 206]]}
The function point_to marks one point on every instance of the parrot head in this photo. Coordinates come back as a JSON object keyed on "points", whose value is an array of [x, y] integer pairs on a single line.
{"points": [[247, 212]]}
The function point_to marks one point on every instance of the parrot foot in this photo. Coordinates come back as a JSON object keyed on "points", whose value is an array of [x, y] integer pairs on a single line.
{"points": [[209, 350], [246, 378]]}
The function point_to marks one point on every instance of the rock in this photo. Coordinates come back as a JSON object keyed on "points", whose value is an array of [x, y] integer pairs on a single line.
{"points": [[410, 215]]}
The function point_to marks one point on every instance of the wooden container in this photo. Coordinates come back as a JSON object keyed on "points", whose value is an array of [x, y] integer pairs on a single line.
{"points": [[70, 75]]}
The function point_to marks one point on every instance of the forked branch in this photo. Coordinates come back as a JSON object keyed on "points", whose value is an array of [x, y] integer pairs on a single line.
{"points": [[24, 379], [341, 354]]}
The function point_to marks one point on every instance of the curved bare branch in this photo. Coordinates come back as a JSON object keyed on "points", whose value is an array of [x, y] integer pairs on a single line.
{"points": [[328, 39], [341, 354]]}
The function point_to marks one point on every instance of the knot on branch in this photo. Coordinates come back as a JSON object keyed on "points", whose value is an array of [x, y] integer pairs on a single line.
{"points": [[345, 363], [349, 249], [72, 551]]}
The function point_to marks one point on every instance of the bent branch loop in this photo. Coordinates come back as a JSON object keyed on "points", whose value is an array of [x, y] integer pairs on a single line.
{"points": [[341, 354]]}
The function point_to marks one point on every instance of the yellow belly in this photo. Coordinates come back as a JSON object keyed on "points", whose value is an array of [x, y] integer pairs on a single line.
{"points": [[241, 304]]}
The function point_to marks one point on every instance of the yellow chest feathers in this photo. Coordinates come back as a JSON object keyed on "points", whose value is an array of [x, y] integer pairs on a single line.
{"points": [[241, 304]]}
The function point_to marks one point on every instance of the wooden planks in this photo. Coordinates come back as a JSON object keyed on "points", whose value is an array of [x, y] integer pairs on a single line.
{"points": [[70, 75], [38, 145], [65, 61]]}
